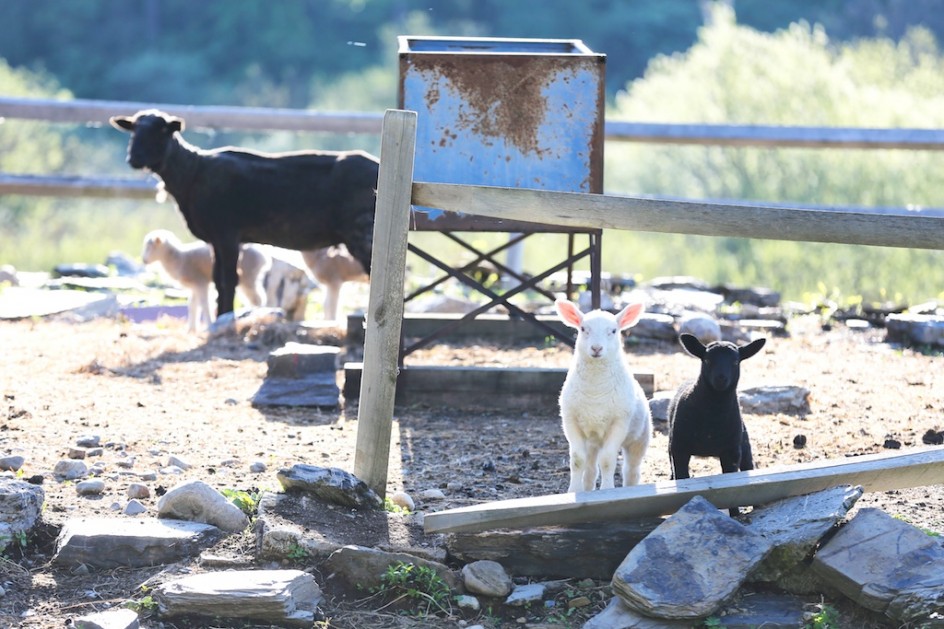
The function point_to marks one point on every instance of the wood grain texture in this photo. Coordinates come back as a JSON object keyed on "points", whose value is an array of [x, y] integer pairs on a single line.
{"points": [[684, 217], [385, 306], [875, 472]]}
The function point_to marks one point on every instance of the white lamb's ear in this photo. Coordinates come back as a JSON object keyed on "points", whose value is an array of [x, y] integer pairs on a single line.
{"points": [[629, 316], [569, 312]]}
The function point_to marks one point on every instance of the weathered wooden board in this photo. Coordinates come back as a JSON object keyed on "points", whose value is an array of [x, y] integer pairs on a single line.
{"points": [[874, 472], [582, 551], [385, 309], [478, 388], [571, 209]]}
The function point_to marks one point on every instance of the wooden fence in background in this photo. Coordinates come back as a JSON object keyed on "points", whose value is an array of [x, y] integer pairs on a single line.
{"points": [[96, 113]]}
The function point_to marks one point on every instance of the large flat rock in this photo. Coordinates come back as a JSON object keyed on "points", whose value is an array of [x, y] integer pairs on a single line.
{"points": [[115, 542]]}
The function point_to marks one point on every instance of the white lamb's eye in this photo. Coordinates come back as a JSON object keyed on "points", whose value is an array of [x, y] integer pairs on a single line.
{"points": [[613, 331], [583, 329]]}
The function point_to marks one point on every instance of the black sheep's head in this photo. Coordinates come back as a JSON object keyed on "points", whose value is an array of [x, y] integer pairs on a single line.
{"points": [[720, 361], [151, 131]]}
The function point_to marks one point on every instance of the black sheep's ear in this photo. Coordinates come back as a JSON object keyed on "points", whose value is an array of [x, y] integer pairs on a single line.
{"points": [[175, 124], [122, 123], [751, 348], [692, 345]]}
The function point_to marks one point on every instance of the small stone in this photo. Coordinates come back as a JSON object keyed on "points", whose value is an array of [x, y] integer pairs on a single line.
{"points": [[93, 487], [126, 463], [524, 595], [70, 470], [487, 578], [88, 441], [403, 500], [171, 470], [174, 461], [799, 442], [138, 490], [432, 494], [76, 453], [135, 508], [95, 452], [148, 476], [258, 467], [467, 602], [11, 463]]}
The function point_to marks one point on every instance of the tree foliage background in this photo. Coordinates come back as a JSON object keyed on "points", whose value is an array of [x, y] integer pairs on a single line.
{"points": [[799, 62]]}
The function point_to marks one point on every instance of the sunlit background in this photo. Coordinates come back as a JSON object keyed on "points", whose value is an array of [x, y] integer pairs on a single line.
{"points": [[846, 63]]}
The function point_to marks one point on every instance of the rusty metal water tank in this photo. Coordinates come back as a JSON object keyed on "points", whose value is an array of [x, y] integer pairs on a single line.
{"points": [[505, 112]]}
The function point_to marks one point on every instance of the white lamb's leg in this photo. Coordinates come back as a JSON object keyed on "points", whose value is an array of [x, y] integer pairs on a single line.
{"points": [[332, 298], [192, 312], [590, 470], [578, 467], [607, 463], [201, 294], [634, 450]]}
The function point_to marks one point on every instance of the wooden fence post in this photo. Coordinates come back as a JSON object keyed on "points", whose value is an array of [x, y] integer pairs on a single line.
{"points": [[385, 309]]}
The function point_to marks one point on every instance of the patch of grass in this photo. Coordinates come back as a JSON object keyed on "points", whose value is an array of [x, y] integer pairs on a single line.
{"points": [[298, 553], [415, 586]]}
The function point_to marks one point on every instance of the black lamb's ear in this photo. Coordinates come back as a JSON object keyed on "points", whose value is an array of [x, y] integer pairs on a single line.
{"points": [[692, 345], [122, 123], [751, 348]]}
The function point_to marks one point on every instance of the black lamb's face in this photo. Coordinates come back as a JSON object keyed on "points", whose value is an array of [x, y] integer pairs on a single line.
{"points": [[150, 135], [721, 366]]}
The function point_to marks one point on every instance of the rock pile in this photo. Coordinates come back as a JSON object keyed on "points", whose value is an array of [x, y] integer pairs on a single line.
{"points": [[685, 568]]}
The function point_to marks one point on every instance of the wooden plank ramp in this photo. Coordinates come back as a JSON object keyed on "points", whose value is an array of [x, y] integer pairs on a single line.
{"points": [[874, 472]]}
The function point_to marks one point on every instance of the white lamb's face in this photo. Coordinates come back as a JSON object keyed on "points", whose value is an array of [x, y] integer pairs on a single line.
{"points": [[599, 335], [147, 256]]}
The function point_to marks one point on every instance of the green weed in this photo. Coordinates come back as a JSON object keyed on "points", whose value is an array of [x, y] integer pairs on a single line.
{"points": [[418, 586]]}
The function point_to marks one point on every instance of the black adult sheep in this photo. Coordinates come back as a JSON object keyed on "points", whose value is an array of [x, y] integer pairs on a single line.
{"points": [[298, 200]]}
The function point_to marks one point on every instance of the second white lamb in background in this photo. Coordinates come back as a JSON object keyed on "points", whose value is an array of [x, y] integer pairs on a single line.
{"points": [[603, 408]]}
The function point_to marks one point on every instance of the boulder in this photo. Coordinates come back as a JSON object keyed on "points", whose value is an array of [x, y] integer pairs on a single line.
{"points": [[886, 565], [330, 484], [111, 543], [198, 502], [271, 597], [690, 565]]}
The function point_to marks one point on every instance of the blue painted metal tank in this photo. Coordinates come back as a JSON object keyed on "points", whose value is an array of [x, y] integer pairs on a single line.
{"points": [[505, 112]]}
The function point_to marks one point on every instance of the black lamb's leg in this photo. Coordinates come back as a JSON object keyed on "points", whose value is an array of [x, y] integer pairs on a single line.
{"points": [[225, 259]]}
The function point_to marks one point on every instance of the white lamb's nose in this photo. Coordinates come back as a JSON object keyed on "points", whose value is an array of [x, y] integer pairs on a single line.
{"points": [[596, 350]]}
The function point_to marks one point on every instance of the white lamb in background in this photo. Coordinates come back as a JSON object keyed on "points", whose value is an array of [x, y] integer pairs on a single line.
{"points": [[603, 408], [191, 265], [332, 266]]}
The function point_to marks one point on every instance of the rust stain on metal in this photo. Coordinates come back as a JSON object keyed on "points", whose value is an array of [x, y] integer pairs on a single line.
{"points": [[504, 95]]}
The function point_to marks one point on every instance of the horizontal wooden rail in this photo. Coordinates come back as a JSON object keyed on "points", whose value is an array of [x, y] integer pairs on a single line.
{"points": [[97, 112], [257, 118], [874, 472], [592, 211], [64, 186], [771, 136]]}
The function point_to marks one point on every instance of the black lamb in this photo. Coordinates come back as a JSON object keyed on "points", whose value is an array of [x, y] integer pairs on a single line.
{"points": [[705, 416], [299, 200]]}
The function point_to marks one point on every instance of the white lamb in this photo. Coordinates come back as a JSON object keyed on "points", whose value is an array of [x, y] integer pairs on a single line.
{"points": [[603, 408], [191, 264], [332, 266]]}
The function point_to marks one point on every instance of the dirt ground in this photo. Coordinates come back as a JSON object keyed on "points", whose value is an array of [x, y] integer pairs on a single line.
{"points": [[153, 390]]}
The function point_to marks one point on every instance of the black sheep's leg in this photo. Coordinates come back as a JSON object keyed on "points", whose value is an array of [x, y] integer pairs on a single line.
{"points": [[226, 256], [680, 465], [360, 240], [747, 457], [729, 463]]}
